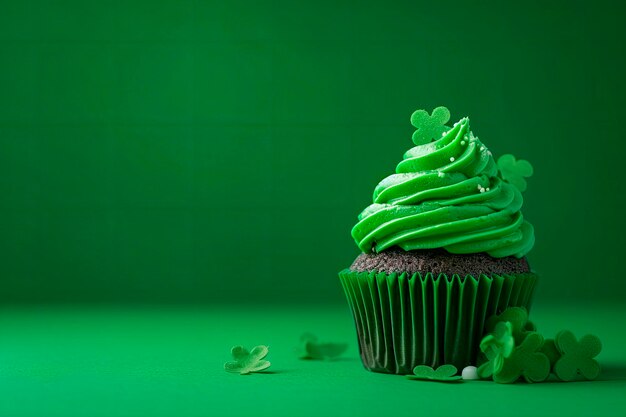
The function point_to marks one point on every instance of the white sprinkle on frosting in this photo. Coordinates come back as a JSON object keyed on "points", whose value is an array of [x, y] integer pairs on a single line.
{"points": [[441, 174], [452, 159], [487, 188], [462, 142], [482, 148]]}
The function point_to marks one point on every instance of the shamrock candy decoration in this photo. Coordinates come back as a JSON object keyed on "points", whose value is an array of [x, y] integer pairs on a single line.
{"points": [[310, 348], [514, 171], [445, 373], [526, 361], [429, 127], [517, 316], [551, 351], [497, 347], [246, 362], [577, 357]]}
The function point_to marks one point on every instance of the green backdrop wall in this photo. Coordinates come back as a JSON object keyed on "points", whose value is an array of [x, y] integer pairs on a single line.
{"points": [[189, 151]]}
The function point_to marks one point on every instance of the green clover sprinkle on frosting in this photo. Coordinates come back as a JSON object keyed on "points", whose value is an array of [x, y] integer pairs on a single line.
{"points": [[496, 346], [525, 361], [429, 127], [514, 171], [445, 373], [577, 356], [311, 348], [246, 362]]}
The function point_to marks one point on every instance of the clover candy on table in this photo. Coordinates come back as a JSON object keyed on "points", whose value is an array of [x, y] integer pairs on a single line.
{"points": [[518, 317], [311, 348], [525, 361], [577, 356], [497, 347], [246, 361], [445, 373]]}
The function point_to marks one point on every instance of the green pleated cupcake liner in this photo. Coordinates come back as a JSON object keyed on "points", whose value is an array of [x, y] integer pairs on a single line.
{"points": [[405, 320]]}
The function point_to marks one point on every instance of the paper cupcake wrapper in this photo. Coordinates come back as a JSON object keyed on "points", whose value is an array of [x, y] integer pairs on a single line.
{"points": [[405, 320]]}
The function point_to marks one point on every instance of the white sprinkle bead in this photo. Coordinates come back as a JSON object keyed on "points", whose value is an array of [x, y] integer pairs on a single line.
{"points": [[482, 148], [470, 373], [441, 175], [443, 133], [487, 188], [462, 142], [452, 159], [482, 190], [479, 186]]}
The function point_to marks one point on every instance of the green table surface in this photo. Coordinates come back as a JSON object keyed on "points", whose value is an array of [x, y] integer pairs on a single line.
{"points": [[168, 361]]}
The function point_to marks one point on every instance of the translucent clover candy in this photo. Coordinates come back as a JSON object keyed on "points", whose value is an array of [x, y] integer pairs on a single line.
{"points": [[514, 171], [310, 348], [577, 357], [525, 361], [445, 373], [497, 347], [518, 317], [429, 127], [246, 362]]}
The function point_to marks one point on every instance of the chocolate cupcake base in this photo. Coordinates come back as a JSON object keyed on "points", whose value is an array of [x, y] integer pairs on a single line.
{"points": [[405, 319], [438, 261]]}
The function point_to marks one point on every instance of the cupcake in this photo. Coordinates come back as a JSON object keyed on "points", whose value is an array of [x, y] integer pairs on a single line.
{"points": [[443, 248]]}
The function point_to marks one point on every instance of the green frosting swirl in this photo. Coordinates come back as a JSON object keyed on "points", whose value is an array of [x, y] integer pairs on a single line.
{"points": [[446, 194]]}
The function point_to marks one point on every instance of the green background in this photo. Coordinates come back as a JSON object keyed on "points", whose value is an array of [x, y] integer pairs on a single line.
{"points": [[213, 156], [191, 151]]}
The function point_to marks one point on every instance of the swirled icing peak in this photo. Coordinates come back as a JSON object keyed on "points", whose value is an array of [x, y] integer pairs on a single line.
{"points": [[448, 192]]}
